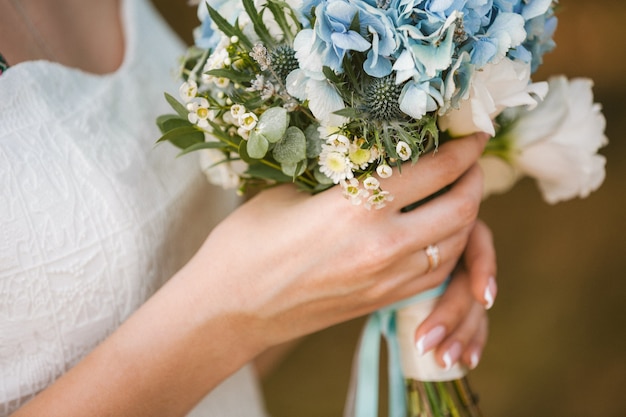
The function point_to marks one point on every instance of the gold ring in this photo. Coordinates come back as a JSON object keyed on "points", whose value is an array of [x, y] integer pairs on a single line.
{"points": [[432, 253]]}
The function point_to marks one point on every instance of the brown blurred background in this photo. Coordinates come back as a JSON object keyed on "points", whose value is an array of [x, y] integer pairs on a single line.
{"points": [[558, 341]]}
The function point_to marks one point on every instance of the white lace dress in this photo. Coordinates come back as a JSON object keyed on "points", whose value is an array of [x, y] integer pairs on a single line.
{"points": [[93, 216]]}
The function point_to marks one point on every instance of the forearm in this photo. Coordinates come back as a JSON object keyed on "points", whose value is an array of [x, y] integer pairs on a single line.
{"points": [[160, 362]]}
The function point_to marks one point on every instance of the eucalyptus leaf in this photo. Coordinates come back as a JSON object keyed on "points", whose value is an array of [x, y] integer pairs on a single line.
{"points": [[291, 149], [313, 141], [257, 145], [293, 170], [243, 152], [272, 124]]}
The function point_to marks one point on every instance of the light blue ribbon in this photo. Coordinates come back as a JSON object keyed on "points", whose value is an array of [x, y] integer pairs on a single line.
{"points": [[383, 323]]}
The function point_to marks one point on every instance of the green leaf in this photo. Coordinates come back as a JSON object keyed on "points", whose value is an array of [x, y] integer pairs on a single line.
{"points": [[349, 112], [183, 137], [257, 23], [232, 75], [203, 145], [243, 152], [257, 145], [266, 172], [313, 141], [167, 122], [228, 29], [291, 149], [278, 10], [272, 124], [177, 106], [293, 170]]}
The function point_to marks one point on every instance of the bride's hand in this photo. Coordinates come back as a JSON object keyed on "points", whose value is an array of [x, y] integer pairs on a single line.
{"points": [[457, 326], [290, 264]]}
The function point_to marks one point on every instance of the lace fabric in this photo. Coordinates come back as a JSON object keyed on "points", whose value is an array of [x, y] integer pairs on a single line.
{"points": [[94, 217]]}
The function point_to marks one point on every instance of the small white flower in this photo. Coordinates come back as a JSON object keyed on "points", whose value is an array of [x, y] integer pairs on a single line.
{"points": [[384, 171], [248, 121], [352, 191], [199, 112], [403, 150], [229, 119], [221, 82], [378, 200], [371, 183], [335, 165], [188, 91], [339, 142], [236, 110], [245, 134]]}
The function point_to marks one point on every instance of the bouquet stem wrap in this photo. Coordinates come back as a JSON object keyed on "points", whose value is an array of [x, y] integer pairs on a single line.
{"points": [[396, 325]]}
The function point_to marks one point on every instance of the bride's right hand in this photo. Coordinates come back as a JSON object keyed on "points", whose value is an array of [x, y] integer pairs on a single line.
{"points": [[289, 264]]}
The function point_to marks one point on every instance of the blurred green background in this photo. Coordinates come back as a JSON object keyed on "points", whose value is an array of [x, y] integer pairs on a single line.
{"points": [[557, 343]]}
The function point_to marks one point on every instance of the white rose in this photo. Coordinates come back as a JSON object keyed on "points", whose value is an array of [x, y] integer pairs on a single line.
{"points": [[493, 88]]}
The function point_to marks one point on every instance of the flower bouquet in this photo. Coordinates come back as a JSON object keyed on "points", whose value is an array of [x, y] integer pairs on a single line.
{"points": [[321, 93]]}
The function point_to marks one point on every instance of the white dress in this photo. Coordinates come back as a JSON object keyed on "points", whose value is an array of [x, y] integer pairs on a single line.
{"points": [[94, 217]]}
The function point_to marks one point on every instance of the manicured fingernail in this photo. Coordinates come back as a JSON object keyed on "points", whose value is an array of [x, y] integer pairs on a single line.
{"points": [[474, 359], [430, 339], [452, 355], [490, 293]]}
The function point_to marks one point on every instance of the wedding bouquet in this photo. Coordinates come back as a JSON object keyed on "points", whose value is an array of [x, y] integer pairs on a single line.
{"points": [[338, 92]]}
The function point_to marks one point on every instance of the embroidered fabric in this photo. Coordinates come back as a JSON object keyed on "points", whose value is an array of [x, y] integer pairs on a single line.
{"points": [[94, 217]]}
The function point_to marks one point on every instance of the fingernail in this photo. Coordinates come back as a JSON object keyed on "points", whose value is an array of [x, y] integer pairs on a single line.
{"points": [[474, 358], [430, 339], [452, 355], [490, 293]]}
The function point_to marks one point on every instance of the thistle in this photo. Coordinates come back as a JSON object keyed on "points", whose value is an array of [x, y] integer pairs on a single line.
{"points": [[381, 99], [283, 61]]}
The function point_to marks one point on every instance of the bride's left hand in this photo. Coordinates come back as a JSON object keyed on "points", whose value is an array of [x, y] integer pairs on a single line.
{"points": [[458, 326]]}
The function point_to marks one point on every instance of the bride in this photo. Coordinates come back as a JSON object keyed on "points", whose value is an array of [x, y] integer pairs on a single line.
{"points": [[129, 286]]}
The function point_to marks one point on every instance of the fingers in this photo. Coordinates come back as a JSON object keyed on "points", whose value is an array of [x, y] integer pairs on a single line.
{"points": [[480, 262], [434, 170], [443, 216], [457, 327]]}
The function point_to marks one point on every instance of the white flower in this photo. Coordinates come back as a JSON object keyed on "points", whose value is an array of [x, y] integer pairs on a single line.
{"points": [[338, 142], [557, 142], [359, 156], [371, 183], [384, 171], [378, 200], [199, 112], [335, 165], [493, 88], [248, 121], [236, 110], [221, 82], [352, 191], [188, 91], [403, 150]]}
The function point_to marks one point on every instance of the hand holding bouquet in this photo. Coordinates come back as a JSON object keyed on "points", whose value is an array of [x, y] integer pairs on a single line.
{"points": [[340, 92]]}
